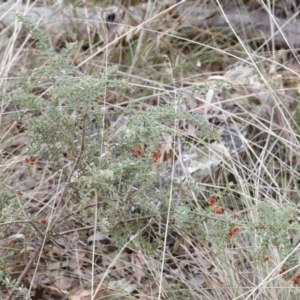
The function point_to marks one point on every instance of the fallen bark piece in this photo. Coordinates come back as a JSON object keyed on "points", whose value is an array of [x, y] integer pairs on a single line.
{"points": [[249, 23]]}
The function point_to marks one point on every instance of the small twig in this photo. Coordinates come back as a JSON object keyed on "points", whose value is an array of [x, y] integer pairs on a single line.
{"points": [[210, 217], [69, 179], [73, 230], [15, 222]]}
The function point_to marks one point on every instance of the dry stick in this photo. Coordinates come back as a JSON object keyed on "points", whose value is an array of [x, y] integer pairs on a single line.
{"points": [[26, 270], [148, 217], [73, 230], [69, 179], [112, 264], [171, 190], [15, 222]]}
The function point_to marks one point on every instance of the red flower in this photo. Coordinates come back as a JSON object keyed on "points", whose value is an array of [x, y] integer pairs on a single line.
{"points": [[137, 152], [33, 160], [233, 232], [211, 201], [156, 156], [30, 161], [43, 221], [282, 270], [296, 280], [218, 210]]}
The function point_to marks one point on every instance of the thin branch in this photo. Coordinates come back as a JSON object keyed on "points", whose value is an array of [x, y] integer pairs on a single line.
{"points": [[26, 270]]}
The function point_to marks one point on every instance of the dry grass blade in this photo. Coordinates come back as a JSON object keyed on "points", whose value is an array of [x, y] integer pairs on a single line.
{"points": [[149, 150]]}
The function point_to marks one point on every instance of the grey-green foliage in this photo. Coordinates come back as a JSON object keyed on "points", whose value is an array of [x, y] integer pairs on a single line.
{"points": [[272, 228], [69, 103], [68, 117], [12, 284], [182, 214]]}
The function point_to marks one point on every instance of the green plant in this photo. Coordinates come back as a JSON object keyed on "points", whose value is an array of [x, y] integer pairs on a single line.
{"points": [[95, 190]]}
